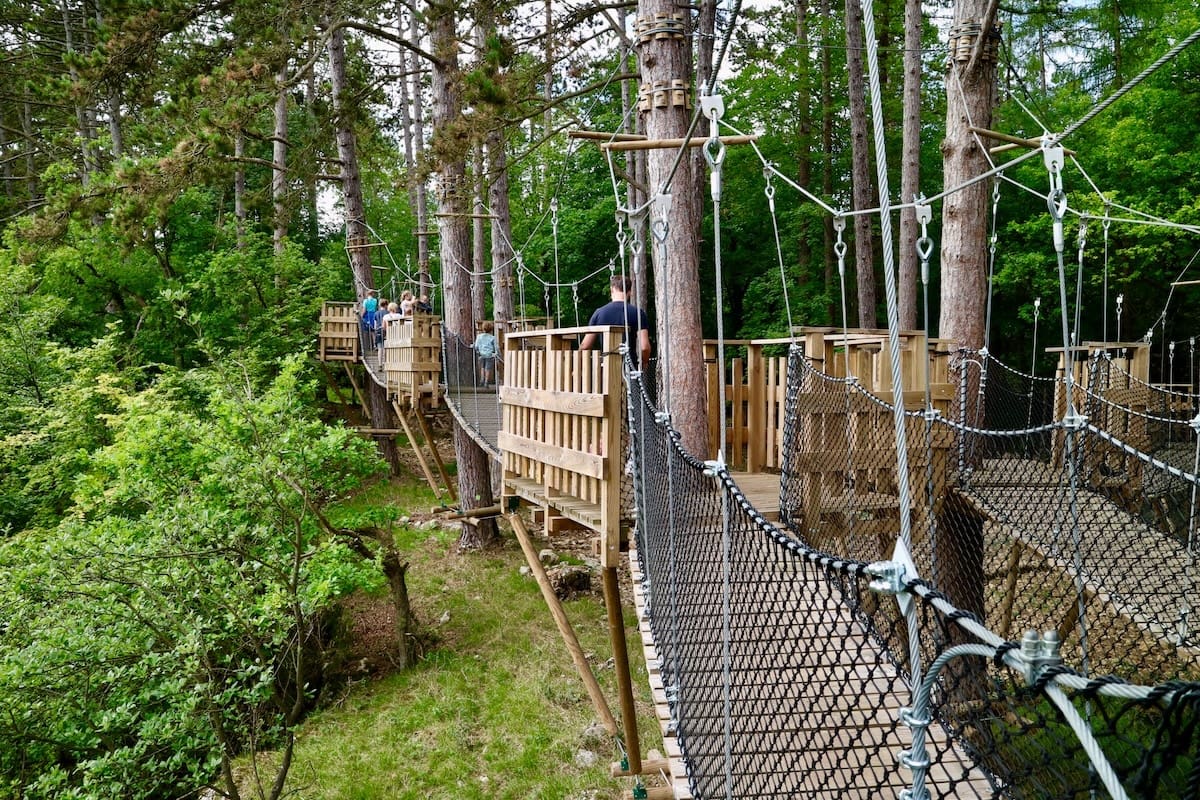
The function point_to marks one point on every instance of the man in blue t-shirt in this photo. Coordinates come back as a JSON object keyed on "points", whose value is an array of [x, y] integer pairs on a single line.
{"points": [[620, 312]]}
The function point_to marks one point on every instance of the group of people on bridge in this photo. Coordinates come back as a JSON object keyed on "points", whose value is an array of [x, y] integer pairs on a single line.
{"points": [[378, 313]]}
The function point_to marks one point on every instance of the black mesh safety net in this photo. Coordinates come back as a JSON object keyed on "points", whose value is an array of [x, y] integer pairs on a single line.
{"points": [[1039, 642]]}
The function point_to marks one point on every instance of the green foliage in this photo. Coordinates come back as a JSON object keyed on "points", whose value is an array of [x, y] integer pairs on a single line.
{"points": [[174, 617]]}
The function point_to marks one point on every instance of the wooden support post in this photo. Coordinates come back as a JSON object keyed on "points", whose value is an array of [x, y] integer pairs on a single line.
{"points": [[346, 401], [654, 793], [668, 144], [616, 632], [416, 447], [650, 766], [564, 626], [427, 432], [1010, 589], [362, 401]]}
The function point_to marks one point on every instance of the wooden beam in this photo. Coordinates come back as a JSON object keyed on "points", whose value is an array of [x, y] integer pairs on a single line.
{"points": [[660, 144], [487, 511], [601, 136], [1013, 141], [416, 447], [649, 767], [427, 432], [564, 626], [362, 401], [616, 632]]}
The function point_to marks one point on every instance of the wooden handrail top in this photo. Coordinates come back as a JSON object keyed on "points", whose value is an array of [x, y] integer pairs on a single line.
{"points": [[563, 332]]}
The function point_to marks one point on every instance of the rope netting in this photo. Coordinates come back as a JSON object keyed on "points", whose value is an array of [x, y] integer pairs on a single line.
{"points": [[474, 401], [791, 672]]}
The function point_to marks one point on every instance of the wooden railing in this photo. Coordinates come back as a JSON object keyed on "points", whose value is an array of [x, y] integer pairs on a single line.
{"points": [[754, 394], [339, 332], [561, 427], [412, 360]]}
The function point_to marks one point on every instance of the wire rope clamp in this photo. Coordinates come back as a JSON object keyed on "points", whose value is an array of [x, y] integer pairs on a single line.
{"points": [[1194, 424], [888, 575], [909, 717], [1039, 652], [1075, 422], [662, 417], [715, 467]]}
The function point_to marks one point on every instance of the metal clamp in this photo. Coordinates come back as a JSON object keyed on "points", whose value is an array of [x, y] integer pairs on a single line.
{"points": [[888, 575], [1038, 652], [1075, 422]]}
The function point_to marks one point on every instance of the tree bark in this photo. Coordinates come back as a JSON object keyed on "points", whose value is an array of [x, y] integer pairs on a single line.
{"points": [[450, 145], [415, 69], [910, 165], [804, 148], [502, 251], [279, 161], [970, 98], [635, 165], [864, 258], [827, 111], [356, 230], [479, 277], [969, 101], [677, 284], [239, 188]]}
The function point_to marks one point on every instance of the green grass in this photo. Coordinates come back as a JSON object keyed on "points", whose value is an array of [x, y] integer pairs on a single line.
{"points": [[495, 709]]}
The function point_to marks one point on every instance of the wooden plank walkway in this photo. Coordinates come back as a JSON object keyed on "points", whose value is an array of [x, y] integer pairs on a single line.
{"points": [[1124, 561], [477, 409]]}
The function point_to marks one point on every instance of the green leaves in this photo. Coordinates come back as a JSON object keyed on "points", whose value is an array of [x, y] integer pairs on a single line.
{"points": [[173, 618]]}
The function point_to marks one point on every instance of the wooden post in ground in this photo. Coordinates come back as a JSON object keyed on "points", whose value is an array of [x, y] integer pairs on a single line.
{"points": [[564, 626], [427, 432], [416, 448], [616, 630]]}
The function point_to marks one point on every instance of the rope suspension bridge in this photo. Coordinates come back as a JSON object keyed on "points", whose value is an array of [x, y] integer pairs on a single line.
{"points": [[910, 569]]}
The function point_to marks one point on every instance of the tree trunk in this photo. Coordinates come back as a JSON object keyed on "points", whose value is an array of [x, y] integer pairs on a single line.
{"points": [[827, 111], [864, 258], [502, 251], [82, 120], [279, 161], [804, 146], [910, 166], [479, 275], [239, 187], [356, 230], [418, 141], [969, 101], [635, 165], [970, 97], [474, 466], [677, 284], [703, 36]]}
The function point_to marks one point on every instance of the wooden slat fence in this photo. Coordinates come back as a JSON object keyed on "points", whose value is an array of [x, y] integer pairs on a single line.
{"points": [[561, 427]]}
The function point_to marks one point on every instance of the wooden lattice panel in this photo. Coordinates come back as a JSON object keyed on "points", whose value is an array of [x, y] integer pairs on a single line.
{"points": [[339, 332]]}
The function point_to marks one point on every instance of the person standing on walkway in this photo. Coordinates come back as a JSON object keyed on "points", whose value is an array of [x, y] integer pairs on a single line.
{"points": [[485, 351], [619, 311]]}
